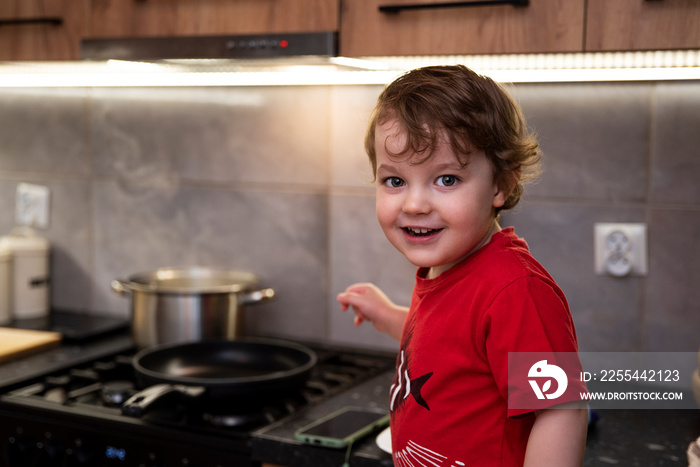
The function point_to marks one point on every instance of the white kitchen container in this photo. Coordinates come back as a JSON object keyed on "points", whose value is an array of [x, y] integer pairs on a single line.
{"points": [[29, 273], [5, 284]]}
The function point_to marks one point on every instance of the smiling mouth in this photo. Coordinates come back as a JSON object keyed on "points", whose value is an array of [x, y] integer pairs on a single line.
{"points": [[416, 232]]}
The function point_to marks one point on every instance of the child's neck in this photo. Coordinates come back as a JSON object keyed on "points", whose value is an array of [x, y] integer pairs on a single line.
{"points": [[435, 271]]}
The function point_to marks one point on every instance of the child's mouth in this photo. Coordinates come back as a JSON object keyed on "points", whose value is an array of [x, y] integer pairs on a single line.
{"points": [[417, 232]]}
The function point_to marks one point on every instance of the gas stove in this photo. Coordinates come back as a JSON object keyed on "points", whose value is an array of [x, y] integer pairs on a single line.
{"points": [[74, 416]]}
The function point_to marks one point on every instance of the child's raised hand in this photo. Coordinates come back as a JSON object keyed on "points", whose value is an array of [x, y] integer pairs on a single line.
{"points": [[371, 304], [365, 300]]}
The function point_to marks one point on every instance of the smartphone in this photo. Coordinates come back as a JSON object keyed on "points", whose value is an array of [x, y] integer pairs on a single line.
{"points": [[343, 427]]}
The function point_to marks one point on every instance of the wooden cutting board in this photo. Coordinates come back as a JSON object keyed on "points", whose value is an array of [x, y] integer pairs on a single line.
{"points": [[20, 342]]}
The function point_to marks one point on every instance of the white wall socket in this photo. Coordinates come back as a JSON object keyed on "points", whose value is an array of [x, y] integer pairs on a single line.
{"points": [[620, 249], [32, 207]]}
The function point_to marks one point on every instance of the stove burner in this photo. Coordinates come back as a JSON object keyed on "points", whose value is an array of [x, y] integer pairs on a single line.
{"points": [[115, 393]]}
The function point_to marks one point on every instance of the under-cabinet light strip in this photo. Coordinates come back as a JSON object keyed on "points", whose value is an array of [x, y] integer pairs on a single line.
{"points": [[565, 61], [531, 68]]}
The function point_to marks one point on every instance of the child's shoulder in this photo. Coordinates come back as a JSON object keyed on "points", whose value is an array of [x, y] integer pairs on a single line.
{"points": [[507, 257]]}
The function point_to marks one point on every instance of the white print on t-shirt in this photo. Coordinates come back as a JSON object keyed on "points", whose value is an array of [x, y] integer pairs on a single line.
{"points": [[415, 455]]}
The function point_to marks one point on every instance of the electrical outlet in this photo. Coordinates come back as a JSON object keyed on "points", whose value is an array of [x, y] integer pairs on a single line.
{"points": [[32, 207], [621, 249]]}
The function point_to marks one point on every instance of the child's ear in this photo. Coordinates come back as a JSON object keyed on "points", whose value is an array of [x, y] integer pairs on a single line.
{"points": [[504, 187], [500, 197]]}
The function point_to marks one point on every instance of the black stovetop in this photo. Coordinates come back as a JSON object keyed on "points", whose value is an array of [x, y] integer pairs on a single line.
{"points": [[74, 412], [99, 388]]}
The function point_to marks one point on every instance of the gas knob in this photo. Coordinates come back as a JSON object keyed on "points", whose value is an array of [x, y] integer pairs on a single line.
{"points": [[49, 454], [76, 457], [21, 450]]}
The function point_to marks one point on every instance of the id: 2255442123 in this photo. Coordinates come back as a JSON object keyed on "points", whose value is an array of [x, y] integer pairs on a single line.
{"points": [[631, 375]]}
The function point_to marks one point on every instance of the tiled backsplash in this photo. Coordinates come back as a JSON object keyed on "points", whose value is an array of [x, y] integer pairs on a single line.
{"points": [[275, 180]]}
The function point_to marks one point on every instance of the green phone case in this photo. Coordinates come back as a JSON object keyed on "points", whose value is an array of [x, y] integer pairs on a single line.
{"points": [[332, 442]]}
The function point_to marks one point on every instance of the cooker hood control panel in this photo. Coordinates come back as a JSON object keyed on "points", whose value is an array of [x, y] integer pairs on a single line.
{"points": [[240, 46]]}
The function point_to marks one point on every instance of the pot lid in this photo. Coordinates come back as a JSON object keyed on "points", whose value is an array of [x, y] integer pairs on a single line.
{"points": [[193, 280]]}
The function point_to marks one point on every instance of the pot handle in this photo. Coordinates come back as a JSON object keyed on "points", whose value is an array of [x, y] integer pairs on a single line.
{"points": [[141, 402], [248, 298], [120, 287]]}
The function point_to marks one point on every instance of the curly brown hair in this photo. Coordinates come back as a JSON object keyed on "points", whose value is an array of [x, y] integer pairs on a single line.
{"points": [[473, 111]]}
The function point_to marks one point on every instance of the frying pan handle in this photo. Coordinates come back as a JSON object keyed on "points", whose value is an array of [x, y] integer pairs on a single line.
{"points": [[142, 401], [248, 298]]}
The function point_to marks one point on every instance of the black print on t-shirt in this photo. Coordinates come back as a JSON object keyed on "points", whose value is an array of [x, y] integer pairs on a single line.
{"points": [[403, 384]]}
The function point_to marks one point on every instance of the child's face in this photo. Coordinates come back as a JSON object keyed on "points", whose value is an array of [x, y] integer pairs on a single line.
{"points": [[435, 212]]}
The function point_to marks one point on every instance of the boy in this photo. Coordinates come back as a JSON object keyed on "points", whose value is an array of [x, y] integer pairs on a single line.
{"points": [[449, 151]]}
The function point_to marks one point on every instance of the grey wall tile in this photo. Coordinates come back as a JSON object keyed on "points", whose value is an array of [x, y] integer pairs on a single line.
{"points": [[351, 107], [73, 251], [279, 236], [594, 139], [7, 205], [44, 130], [359, 252], [264, 135], [672, 308], [560, 236], [676, 144]]}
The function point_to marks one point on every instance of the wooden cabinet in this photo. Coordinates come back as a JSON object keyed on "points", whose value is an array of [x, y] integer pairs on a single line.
{"points": [[541, 26], [132, 18], [642, 25], [24, 38], [144, 18]]}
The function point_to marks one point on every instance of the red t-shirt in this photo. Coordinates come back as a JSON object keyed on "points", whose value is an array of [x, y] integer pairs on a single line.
{"points": [[449, 397]]}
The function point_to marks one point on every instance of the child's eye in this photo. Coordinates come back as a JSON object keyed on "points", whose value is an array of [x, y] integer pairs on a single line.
{"points": [[393, 182], [447, 180]]}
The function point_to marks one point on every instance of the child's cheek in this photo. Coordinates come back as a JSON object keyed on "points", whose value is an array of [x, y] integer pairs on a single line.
{"points": [[387, 213]]}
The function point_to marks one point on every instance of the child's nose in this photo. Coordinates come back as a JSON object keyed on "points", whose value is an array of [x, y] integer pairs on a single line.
{"points": [[416, 202]]}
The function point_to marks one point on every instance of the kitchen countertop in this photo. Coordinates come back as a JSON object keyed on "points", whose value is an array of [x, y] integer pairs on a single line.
{"points": [[70, 353], [85, 338], [642, 437]]}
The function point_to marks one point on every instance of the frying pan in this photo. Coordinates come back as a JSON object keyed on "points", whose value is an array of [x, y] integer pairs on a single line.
{"points": [[218, 371]]}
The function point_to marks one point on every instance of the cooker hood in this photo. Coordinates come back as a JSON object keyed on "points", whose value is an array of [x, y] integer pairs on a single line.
{"points": [[312, 59], [253, 49]]}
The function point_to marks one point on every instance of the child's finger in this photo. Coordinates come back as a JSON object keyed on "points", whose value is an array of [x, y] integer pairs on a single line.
{"points": [[360, 318], [347, 300]]}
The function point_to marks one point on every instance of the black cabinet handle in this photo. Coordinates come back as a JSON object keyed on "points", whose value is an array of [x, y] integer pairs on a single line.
{"points": [[22, 21], [426, 6]]}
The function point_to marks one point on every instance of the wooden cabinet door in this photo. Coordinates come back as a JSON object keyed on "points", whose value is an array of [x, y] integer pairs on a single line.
{"points": [[42, 40], [642, 25], [541, 26], [143, 18]]}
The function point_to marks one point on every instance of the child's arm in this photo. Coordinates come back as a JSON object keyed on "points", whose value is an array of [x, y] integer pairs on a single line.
{"points": [[371, 304], [558, 437]]}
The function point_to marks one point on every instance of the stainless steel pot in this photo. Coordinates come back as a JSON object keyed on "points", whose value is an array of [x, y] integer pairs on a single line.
{"points": [[171, 305]]}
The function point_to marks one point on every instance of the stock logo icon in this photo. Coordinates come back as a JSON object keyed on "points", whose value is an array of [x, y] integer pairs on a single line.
{"points": [[542, 371]]}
